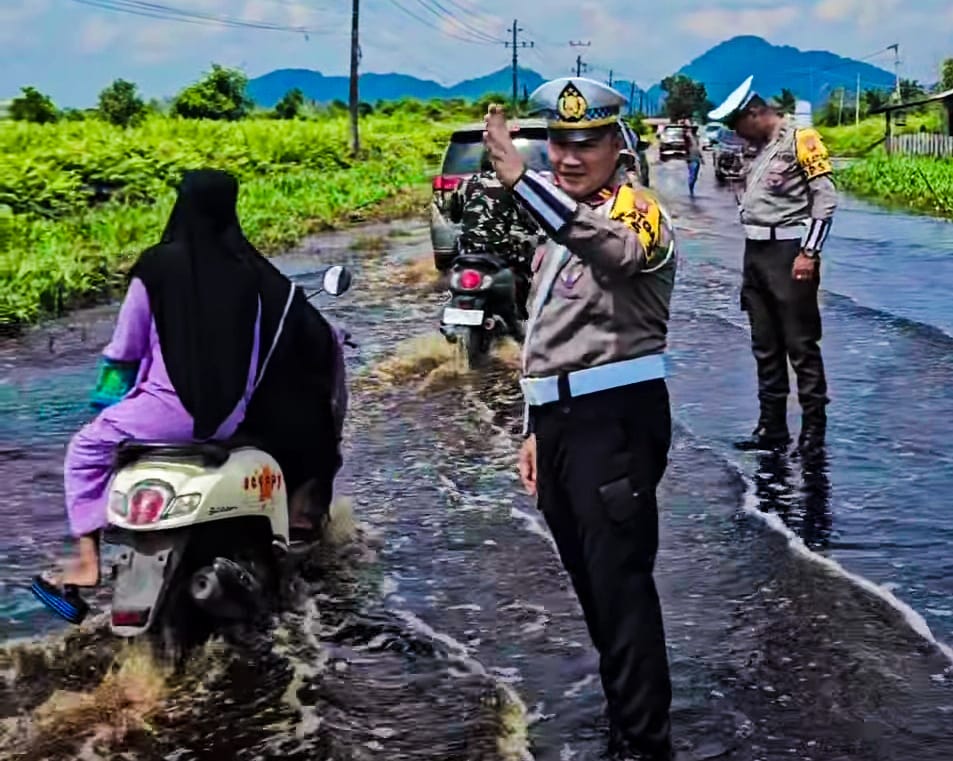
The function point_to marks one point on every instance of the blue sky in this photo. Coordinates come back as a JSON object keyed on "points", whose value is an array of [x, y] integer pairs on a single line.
{"points": [[72, 50]]}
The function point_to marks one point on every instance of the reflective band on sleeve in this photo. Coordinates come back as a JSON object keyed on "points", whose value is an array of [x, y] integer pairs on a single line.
{"points": [[816, 234], [551, 207]]}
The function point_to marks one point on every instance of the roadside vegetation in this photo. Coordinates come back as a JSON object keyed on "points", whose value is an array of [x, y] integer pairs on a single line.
{"points": [[921, 183], [83, 192]]}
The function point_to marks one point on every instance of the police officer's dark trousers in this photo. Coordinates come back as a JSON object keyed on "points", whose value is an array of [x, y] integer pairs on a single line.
{"points": [[785, 323], [600, 458]]}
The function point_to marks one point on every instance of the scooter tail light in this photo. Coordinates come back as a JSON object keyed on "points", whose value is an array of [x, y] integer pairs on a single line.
{"points": [[148, 500], [470, 280]]}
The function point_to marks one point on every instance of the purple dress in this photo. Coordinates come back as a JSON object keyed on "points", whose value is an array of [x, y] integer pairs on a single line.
{"points": [[151, 410]]}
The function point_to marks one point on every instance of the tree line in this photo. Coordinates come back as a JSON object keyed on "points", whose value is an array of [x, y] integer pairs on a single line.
{"points": [[222, 94]]}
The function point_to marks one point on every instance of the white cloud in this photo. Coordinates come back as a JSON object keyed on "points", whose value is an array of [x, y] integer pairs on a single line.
{"points": [[719, 24], [865, 13], [17, 17], [96, 35]]}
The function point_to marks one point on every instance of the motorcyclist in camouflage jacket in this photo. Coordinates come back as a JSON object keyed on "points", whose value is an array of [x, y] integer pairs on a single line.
{"points": [[493, 222]]}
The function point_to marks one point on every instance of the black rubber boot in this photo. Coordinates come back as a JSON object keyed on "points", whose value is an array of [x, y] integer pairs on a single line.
{"points": [[771, 432]]}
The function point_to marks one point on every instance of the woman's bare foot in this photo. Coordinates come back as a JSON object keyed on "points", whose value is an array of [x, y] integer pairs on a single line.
{"points": [[75, 573], [81, 571]]}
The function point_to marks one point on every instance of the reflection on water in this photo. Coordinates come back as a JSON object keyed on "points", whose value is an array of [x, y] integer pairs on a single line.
{"points": [[801, 499]]}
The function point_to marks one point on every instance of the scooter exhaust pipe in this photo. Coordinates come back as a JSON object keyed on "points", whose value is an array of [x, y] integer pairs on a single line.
{"points": [[225, 590]]}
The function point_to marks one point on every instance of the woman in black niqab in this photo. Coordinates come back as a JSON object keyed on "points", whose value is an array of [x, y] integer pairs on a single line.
{"points": [[187, 332], [203, 292]]}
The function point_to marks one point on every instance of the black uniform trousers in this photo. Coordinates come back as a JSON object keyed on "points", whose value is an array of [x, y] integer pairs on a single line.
{"points": [[600, 458], [785, 324]]}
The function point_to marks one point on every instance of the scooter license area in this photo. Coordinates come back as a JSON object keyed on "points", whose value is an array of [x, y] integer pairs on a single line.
{"points": [[454, 316]]}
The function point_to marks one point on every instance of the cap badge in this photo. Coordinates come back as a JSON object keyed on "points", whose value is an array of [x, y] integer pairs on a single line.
{"points": [[571, 105]]}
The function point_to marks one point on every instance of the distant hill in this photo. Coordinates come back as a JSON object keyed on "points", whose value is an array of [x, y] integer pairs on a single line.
{"points": [[811, 74], [268, 89]]}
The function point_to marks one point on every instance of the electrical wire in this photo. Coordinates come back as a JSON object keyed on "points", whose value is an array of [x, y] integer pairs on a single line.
{"points": [[171, 13], [441, 12], [436, 27]]}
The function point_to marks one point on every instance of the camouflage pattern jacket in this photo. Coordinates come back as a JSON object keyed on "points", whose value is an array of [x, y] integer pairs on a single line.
{"points": [[493, 221]]}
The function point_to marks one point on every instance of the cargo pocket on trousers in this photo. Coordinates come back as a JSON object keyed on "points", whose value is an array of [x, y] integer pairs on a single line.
{"points": [[622, 502]]}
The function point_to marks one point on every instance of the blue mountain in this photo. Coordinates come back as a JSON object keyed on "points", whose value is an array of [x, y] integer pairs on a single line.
{"points": [[267, 90], [812, 75]]}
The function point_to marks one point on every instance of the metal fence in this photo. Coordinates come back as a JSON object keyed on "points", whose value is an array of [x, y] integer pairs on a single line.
{"points": [[922, 144]]}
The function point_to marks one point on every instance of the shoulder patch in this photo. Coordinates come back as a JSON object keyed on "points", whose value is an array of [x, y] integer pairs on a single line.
{"points": [[812, 154], [640, 211]]}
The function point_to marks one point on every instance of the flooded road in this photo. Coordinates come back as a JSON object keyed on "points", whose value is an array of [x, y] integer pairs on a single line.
{"points": [[444, 627]]}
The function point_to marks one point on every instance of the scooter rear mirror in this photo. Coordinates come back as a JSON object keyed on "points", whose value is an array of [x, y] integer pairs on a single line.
{"points": [[337, 279]]}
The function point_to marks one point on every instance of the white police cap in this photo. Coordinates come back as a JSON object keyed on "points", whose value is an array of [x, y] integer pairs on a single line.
{"points": [[735, 102], [573, 105]]}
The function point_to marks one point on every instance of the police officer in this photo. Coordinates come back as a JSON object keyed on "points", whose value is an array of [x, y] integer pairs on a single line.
{"points": [[598, 420], [493, 222], [786, 210]]}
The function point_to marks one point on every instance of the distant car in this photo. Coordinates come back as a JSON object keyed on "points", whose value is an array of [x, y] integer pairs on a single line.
{"points": [[462, 160], [672, 142], [729, 153], [710, 135]]}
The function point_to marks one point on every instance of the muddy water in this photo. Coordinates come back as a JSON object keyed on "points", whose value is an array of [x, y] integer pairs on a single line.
{"points": [[445, 629]]}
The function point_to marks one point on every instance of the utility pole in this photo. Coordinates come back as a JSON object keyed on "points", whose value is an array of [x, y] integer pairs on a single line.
{"points": [[355, 57], [579, 62], [857, 108], [631, 98], [610, 77], [896, 66], [840, 111], [515, 30]]}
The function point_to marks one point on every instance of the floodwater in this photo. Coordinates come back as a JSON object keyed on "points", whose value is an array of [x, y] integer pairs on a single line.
{"points": [[805, 604]]}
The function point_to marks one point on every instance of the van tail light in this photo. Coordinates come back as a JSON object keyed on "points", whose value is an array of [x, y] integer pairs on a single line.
{"points": [[446, 183]]}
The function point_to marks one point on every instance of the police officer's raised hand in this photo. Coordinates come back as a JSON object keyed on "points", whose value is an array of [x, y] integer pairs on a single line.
{"points": [[804, 267], [527, 465], [507, 162]]}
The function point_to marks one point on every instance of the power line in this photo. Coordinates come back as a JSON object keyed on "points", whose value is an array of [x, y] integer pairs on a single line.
{"points": [[441, 12], [431, 25], [171, 13]]}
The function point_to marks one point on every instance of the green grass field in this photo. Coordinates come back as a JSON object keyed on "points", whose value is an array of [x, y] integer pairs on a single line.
{"points": [[912, 182], [854, 139], [920, 183], [80, 200]]}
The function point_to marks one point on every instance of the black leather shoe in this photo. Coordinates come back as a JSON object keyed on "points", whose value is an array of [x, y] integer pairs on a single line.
{"points": [[765, 440]]}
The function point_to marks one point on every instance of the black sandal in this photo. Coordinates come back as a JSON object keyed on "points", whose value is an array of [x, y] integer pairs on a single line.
{"points": [[64, 600]]}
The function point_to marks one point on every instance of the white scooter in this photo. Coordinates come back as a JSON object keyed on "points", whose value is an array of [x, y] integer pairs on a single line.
{"points": [[202, 531]]}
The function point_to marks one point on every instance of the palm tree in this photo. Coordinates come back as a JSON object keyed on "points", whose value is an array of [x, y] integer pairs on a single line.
{"points": [[787, 101]]}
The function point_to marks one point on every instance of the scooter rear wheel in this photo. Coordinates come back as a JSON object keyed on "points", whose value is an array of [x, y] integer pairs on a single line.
{"points": [[476, 345]]}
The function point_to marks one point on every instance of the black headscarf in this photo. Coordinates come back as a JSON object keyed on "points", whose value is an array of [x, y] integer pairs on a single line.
{"points": [[203, 292]]}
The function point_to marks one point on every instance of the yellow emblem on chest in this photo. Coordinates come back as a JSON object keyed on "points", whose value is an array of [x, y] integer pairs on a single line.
{"points": [[571, 104]]}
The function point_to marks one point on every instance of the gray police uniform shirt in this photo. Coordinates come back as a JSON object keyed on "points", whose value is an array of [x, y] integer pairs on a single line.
{"points": [[610, 300], [789, 184]]}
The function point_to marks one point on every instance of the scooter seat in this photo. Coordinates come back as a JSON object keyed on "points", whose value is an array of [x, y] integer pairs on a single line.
{"points": [[478, 260], [211, 453]]}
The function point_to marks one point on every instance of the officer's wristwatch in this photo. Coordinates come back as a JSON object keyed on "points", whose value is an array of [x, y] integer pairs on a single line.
{"points": [[809, 253]]}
